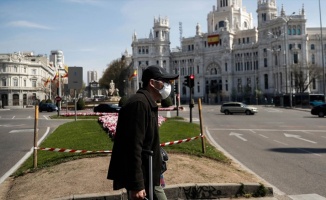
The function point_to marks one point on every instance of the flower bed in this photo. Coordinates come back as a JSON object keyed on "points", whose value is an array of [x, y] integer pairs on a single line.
{"points": [[108, 120]]}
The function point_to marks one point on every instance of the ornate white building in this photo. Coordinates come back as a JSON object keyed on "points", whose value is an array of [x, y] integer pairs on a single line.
{"points": [[234, 60], [23, 77]]}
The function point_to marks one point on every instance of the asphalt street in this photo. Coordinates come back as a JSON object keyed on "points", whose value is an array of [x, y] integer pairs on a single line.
{"points": [[285, 147], [17, 136]]}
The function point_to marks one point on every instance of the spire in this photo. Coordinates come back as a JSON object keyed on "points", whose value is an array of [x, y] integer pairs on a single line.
{"points": [[150, 34], [302, 11], [282, 11]]}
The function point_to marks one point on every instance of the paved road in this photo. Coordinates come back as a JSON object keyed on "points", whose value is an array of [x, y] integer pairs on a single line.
{"points": [[17, 135], [286, 147]]}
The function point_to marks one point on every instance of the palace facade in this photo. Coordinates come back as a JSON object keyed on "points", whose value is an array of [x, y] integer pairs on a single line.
{"points": [[237, 61]]}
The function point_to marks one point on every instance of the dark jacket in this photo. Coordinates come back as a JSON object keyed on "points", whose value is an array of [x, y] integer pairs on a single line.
{"points": [[137, 129]]}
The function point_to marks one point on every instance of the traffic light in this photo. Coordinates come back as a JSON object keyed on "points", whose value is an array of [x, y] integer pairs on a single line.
{"points": [[192, 81], [186, 81], [176, 88]]}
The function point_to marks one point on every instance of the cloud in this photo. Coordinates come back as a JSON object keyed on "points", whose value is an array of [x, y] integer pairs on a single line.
{"points": [[27, 24]]}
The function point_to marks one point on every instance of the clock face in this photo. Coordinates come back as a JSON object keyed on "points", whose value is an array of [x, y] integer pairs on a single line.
{"points": [[15, 57]]}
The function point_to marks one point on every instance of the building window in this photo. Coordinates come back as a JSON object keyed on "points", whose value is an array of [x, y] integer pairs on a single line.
{"points": [[313, 83], [34, 71], [15, 82], [25, 83], [266, 81], [15, 69], [221, 24], [34, 83], [312, 46], [313, 59], [265, 62], [4, 82], [226, 67], [25, 70], [4, 69], [226, 85], [264, 17], [295, 58]]}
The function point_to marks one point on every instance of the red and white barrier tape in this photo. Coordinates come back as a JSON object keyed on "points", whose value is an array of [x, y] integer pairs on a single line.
{"points": [[107, 151], [179, 141], [72, 151]]}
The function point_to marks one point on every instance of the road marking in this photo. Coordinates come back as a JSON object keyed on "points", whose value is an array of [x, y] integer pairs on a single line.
{"points": [[22, 131], [13, 117], [12, 125], [307, 196], [263, 136], [270, 130], [252, 131], [238, 135], [298, 137], [309, 152], [29, 117], [323, 137], [281, 142]]}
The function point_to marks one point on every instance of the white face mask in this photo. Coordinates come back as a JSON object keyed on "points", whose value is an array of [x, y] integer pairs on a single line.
{"points": [[165, 91]]}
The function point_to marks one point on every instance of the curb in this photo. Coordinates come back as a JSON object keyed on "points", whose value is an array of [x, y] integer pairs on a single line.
{"points": [[189, 191]]}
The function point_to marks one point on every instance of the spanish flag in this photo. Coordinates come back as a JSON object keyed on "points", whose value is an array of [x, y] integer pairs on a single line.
{"points": [[47, 82], [56, 76], [133, 75], [213, 39]]}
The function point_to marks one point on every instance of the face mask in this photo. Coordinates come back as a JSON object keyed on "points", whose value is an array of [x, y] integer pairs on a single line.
{"points": [[165, 91]]}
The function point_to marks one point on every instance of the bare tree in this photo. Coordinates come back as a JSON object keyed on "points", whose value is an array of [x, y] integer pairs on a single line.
{"points": [[302, 76]]}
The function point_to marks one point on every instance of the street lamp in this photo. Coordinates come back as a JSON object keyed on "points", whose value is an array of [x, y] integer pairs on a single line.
{"points": [[322, 52]]}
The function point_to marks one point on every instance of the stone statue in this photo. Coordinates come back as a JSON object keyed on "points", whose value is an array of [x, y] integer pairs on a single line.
{"points": [[112, 88]]}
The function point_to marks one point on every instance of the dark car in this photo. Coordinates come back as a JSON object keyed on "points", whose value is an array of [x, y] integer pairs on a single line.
{"points": [[319, 110], [49, 107], [106, 107]]}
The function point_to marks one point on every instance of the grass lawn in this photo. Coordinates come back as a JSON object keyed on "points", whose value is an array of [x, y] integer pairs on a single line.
{"points": [[89, 135]]}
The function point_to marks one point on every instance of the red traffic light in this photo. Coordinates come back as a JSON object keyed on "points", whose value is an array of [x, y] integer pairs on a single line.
{"points": [[192, 76]]}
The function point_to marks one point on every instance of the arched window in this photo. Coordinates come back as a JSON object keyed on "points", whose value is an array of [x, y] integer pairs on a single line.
{"points": [[312, 46], [299, 30], [289, 30], [313, 59], [294, 31], [221, 24]]}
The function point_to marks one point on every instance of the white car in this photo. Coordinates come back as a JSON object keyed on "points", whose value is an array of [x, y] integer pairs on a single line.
{"points": [[237, 107]]}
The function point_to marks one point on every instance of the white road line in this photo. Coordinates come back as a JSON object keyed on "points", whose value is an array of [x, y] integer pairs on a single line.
{"points": [[263, 136], [21, 161], [13, 117], [22, 131], [270, 130], [281, 142], [323, 137], [208, 134], [309, 152]]}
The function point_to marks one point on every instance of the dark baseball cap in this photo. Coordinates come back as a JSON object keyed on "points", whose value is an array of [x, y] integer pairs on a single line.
{"points": [[157, 73]]}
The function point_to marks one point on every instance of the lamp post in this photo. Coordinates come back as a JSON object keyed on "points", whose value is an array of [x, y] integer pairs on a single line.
{"points": [[286, 60], [322, 52]]}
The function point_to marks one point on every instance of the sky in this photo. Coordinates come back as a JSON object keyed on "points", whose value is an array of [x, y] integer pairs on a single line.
{"points": [[93, 33]]}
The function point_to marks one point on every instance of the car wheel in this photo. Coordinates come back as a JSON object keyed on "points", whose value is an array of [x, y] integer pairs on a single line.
{"points": [[248, 112], [227, 112], [321, 114]]}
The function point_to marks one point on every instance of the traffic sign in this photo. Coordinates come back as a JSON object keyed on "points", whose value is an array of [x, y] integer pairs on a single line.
{"points": [[58, 98]]}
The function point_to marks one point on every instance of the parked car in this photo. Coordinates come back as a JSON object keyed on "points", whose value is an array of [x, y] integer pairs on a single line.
{"points": [[316, 103], [237, 107], [49, 107], [106, 107], [319, 110]]}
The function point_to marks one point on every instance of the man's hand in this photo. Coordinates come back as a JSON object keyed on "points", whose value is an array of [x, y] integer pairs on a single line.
{"points": [[138, 194]]}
